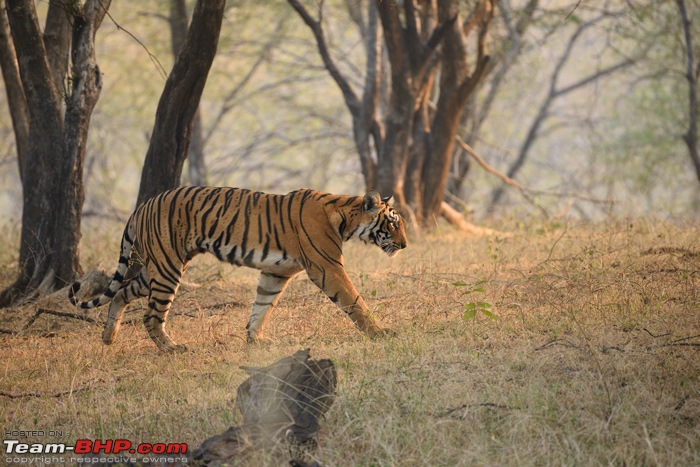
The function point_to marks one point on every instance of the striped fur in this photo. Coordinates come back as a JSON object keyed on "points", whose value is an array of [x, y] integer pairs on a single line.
{"points": [[281, 235]]}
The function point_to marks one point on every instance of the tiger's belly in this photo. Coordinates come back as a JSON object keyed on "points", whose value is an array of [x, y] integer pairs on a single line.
{"points": [[270, 261], [277, 263]]}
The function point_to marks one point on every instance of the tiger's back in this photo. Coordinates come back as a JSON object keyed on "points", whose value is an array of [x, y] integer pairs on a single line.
{"points": [[281, 235]]}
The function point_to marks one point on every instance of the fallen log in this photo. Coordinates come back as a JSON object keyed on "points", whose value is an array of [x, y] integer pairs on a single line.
{"points": [[281, 406]]}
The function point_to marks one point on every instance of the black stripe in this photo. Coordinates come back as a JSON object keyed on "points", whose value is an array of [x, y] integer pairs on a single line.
{"points": [[266, 248], [260, 232], [231, 257], [343, 224], [268, 293], [267, 214], [277, 239], [216, 247], [246, 220], [248, 260], [350, 200], [161, 302]]}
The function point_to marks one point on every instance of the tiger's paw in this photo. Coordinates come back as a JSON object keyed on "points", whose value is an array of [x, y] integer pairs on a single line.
{"points": [[379, 333], [176, 348], [259, 341], [172, 347]]}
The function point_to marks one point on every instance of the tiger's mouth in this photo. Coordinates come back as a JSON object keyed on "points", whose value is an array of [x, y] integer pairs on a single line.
{"points": [[391, 249]]}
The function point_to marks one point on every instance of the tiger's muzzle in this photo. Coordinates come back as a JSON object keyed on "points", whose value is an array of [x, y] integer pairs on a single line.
{"points": [[392, 248]]}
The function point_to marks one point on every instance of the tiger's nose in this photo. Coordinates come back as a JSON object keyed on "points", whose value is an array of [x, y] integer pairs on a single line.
{"points": [[402, 245]]}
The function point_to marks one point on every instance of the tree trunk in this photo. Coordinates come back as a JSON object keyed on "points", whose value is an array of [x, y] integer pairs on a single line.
{"points": [[52, 185], [691, 136], [409, 147], [57, 39], [457, 83], [197, 170], [85, 91], [15, 92], [172, 131]]}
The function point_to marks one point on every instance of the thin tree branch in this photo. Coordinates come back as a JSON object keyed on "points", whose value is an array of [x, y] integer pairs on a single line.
{"points": [[151, 56], [595, 76], [525, 192], [316, 27]]}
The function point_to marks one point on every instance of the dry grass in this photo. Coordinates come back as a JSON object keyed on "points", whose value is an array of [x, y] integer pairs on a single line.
{"points": [[592, 359]]}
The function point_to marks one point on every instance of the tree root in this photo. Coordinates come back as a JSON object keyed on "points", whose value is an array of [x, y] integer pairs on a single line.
{"points": [[458, 220], [47, 301]]}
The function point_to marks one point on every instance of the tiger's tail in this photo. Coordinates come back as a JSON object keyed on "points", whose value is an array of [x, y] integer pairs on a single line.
{"points": [[117, 279]]}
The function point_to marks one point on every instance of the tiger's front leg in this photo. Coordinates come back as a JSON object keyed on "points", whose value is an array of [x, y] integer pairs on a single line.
{"points": [[336, 283]]}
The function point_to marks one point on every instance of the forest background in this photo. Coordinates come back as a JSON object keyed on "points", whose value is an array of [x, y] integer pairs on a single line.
{"points": [[563, 341], [273, 119]]}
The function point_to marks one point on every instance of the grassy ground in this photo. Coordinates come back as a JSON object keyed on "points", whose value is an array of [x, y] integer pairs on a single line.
{"points": [[592, 357]]}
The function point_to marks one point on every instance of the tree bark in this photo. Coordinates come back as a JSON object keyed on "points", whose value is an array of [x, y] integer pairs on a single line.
{"points": [[691, 136], [475, 114], [173, 128], [45, 135], [86, 86], [457, 83], [15, 92], [413, 145], [52, 185], [57, 40], [197, 169]]}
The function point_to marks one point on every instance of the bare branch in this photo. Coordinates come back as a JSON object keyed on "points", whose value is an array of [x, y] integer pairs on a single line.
{"points": [[316, 27], [525, 192], [151, 56], [593, 77]]}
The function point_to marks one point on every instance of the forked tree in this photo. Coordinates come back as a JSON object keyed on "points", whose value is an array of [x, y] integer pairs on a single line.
{"points": [[51, 117], [413, 140], [51, 141]]}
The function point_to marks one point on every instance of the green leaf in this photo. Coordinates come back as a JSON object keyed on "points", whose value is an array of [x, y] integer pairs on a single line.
{"points": [[469, 314], [488, 313], [470, 306], [459, 284], [483, 305]]}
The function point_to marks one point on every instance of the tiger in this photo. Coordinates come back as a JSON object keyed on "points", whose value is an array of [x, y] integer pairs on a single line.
{"points": [[281, 235]]}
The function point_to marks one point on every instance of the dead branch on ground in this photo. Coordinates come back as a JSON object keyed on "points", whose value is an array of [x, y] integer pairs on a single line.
{"points": [[281, 405]]}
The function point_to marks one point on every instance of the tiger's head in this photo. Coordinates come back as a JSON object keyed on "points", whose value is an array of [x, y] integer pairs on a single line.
{"points": [[382, 225]]}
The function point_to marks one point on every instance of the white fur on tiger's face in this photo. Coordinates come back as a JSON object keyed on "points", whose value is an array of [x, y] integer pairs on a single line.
{"points": [[281, 235]]}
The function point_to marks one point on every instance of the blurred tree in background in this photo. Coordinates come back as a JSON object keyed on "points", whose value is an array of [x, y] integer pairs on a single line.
{"points": [[52, 168], [593, 107], [51, 116]]}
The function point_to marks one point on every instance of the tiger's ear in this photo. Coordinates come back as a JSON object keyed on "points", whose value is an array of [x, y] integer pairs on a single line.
{"points": [[372, 203], [389, 200]]}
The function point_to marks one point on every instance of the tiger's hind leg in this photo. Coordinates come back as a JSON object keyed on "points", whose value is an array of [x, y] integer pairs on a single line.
{"points": [[270, 287], [135, 288], [161, 294]]}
